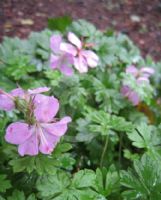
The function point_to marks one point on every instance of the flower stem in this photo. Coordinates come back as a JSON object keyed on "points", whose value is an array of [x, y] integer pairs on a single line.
{"points": [[104, 151], [120, 149]]}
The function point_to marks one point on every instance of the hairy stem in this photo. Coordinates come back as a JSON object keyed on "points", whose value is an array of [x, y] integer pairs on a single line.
{"points": [[120, 149], [104, 151]]}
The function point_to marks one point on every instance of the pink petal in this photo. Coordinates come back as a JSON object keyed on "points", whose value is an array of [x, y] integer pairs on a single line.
{"points": [[17, 133], [45, 107], [66, 64], [131, 95], [91, 57], [67, 59], [47, 142], [148, 70], [54, 61], [63, 63], [74, 40], [30, 146], [142, 80], [125, 90], [55, 42], [6, 103], [134, 98], [132, 70], [18, 92], [57, 128], [68, 48], [80, 64], [68, 71], [38, 90]]}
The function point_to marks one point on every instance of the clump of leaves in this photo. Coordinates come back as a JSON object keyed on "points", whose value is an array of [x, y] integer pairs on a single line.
{"points": [[107, 134]]}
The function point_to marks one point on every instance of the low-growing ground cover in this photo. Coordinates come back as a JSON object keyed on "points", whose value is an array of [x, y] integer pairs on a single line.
{"points": [[80, 116]]}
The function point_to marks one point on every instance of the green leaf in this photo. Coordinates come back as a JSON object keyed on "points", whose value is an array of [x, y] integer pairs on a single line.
{"points": [[6, 83], [83, 178], [84, 28], [103, 122], [4, 183], [107, 92], [59, 23], [107, 182], [21, 164], [53, 185], [31, 197], [144, 137], [45, 163], [120, 124], [144, 182], [130, 156], [17, 195], [61, 186]]}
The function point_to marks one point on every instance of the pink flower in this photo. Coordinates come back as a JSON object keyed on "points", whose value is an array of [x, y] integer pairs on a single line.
{"points": [[141, 75], [46, 131], [7, 100], [26, 94], [60, 60], [82, 58], [41, 137], [132, 96]]}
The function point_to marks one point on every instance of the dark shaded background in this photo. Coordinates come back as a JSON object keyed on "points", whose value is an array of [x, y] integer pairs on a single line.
{"points": [[140, 19]]}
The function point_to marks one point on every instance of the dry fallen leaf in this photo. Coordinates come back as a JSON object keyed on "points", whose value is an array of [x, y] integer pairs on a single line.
{"points": [[27, 22], [8, 25]]}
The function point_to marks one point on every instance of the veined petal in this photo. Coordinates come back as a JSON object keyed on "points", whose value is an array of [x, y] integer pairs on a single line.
{"points": [[132, 70], [68, 48], [57, 128], [91, 57], [30, 146], [45, 107], [38, 90], [80, 64], [17, 133], [6, 103], [74, 40], [55, 42], [47, 141]]}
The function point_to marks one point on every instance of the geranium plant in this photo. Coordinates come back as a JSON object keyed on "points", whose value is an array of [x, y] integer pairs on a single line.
{"points": [[80, 114]]}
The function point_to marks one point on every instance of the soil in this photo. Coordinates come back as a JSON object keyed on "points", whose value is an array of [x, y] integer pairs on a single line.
{"points": [[139, 19]]}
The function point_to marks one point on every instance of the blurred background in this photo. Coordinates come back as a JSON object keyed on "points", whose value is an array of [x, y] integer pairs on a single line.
{"points": [[139, 19]]}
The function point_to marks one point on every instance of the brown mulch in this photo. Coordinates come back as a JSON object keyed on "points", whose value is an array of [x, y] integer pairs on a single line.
{"points": [[139, 19]]}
